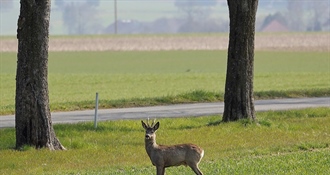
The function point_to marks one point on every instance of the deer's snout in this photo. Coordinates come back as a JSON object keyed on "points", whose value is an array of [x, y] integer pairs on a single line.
{"points": [[148, 136]]}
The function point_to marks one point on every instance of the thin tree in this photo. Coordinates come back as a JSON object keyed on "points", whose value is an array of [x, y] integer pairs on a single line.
{"points": [[32, 113], [239, 103], [295, 15]]}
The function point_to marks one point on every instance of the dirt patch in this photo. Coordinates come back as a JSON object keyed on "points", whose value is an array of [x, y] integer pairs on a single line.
{"points": [[294, 42], [280, 42]]}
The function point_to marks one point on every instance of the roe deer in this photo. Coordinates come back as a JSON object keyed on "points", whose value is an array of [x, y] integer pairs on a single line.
{"points": [[163, 156]]}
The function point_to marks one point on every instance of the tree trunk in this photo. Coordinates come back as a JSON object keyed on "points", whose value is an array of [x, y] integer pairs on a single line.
{"points": [[239, 102], [32, 113]]}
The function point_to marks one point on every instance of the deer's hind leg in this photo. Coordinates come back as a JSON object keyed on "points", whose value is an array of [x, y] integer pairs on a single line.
{"points": [[195, 168]]}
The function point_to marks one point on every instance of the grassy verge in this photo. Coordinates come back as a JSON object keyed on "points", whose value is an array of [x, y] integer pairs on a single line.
{"points": [[189, 97], [139, 78], [285, 142]]}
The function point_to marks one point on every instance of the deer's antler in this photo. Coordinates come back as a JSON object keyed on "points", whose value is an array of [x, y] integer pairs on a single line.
{"points": [[152, 124], [148, 122]]}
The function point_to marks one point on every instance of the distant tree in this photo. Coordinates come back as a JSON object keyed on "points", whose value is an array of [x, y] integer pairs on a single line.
{"points": [[80, 18], [59, 3], [239, 103], [71, 18], [195, 12], [195, 8], [319, 11], [295, 15], [200, 3], [93, 2], [32, 114], [63, 3]]}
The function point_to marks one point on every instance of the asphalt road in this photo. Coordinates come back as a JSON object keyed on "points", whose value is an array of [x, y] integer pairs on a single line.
{"points": [[180, 110]]}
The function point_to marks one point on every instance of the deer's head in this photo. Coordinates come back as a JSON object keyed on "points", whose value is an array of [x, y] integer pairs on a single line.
{"points": [[150, 129]]}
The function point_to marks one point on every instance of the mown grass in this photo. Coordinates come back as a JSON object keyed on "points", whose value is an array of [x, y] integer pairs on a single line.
{"points": [[125, 79], [283, 142]]}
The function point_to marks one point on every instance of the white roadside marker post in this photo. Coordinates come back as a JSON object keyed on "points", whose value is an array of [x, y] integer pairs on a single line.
{"points": [[96, 108]]}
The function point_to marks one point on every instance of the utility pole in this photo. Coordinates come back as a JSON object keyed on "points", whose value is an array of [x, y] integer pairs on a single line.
{"points": [[115, 10]]}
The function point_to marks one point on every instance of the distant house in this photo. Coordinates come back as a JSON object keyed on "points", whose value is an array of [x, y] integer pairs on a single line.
{"points": [[275, 26], [274, 23], [127, 26]]}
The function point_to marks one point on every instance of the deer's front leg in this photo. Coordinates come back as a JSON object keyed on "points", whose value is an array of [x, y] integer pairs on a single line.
{"points": [[160, 170]]}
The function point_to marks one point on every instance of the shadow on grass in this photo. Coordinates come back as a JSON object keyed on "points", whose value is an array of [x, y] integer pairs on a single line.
{"points": [[89, 126], [185, 127], [244, 122], [215, 123]]}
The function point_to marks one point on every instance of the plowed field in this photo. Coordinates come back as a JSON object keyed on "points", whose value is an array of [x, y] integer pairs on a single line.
{"points": [[283, 42]]}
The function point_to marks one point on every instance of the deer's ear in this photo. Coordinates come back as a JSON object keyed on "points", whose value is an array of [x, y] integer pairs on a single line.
{"points": [[156, 126], [144, 125]]}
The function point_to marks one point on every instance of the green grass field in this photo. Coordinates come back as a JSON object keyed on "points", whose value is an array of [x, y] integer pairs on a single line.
{"points": [[286, 142], [75, 77]]}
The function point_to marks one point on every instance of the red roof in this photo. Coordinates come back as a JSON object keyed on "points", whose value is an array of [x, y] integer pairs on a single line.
{"points": [[275, 26]]}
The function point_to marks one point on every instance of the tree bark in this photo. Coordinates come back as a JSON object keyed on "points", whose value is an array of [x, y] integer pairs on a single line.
{"points": [[239, 103], [32, 113]]}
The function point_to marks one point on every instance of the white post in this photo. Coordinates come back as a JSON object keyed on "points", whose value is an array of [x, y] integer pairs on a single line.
{"points": [[96, 108]]}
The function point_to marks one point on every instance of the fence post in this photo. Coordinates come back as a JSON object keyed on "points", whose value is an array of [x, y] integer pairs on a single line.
{"points": [[96, 108]]}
